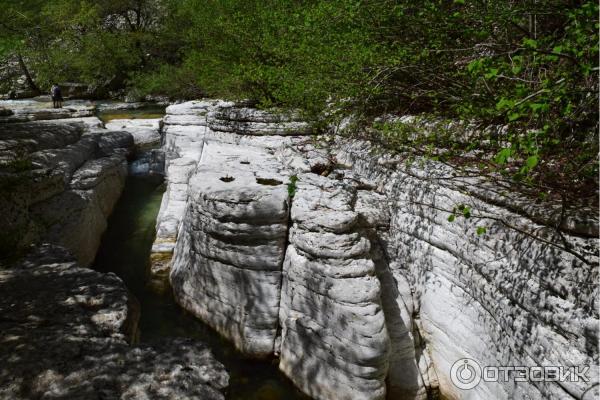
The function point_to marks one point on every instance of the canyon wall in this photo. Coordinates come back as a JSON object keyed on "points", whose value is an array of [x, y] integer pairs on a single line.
{"points": [[227, 263], [334, 341], [521, 294], [187, 126], [60, 181], [66, 331], [377, 293]]}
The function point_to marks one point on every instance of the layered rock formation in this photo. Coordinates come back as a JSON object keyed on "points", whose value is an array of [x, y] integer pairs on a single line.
{"points": [[145, 132], [227, 263], [519, 295], [334, 340], [231, 241], [183, 133], [379, 291], [250, 121], [60, 182], [34, 110], [71, 339], [187, 126], [66, 331]]}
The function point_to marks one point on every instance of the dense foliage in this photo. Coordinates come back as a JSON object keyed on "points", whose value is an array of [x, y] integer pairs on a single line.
{"points": [[530, 65]]}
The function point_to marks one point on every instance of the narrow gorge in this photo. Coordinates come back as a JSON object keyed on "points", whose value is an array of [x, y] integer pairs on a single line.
{"points": [[273, 262]]}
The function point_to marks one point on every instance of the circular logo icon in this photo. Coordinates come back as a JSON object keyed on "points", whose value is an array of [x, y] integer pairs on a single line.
{"points": [[465, 373]]}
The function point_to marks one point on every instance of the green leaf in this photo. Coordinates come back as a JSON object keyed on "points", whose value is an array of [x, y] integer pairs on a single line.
{"points": [[538, 106], [451, 218], [492, 73], [530, 43], [291, 186], [532, 161], [467, 212], [481, 230], [505, 103], [474, 65], [503, 155], [514, 116]]}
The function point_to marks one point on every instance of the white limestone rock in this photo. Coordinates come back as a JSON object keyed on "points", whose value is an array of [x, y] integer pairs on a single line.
{"points": [[72, 176], [111, 142], [89, 123], [250, 121], [227, 260], [372, 263], [373, 209], [66, 331], [195, 107], [334, 341], [304, 156], [183, 141], [31, 110], [519, 295], [145, 132], [76, 218], [185, 132], [185, 119]]}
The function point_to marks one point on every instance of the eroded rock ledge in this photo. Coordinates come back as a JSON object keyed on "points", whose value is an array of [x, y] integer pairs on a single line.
{"points": [[187, 127], [227, 262], [379, 292], [334, 342], [65, 333], [60, 181]]}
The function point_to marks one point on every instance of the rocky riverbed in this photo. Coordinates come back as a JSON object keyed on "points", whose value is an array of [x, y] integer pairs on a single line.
{"points": [[68, 332], [329, 254]]}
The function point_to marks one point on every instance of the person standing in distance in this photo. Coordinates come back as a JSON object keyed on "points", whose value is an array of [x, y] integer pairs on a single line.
{"points": [[56, 94]]}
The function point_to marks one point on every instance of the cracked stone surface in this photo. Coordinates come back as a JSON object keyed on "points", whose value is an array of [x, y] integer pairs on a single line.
{"points": [[71, 340], [60, 180]]}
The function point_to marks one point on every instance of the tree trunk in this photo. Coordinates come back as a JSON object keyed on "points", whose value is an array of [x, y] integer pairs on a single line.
{"points": [[30, 82]]}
